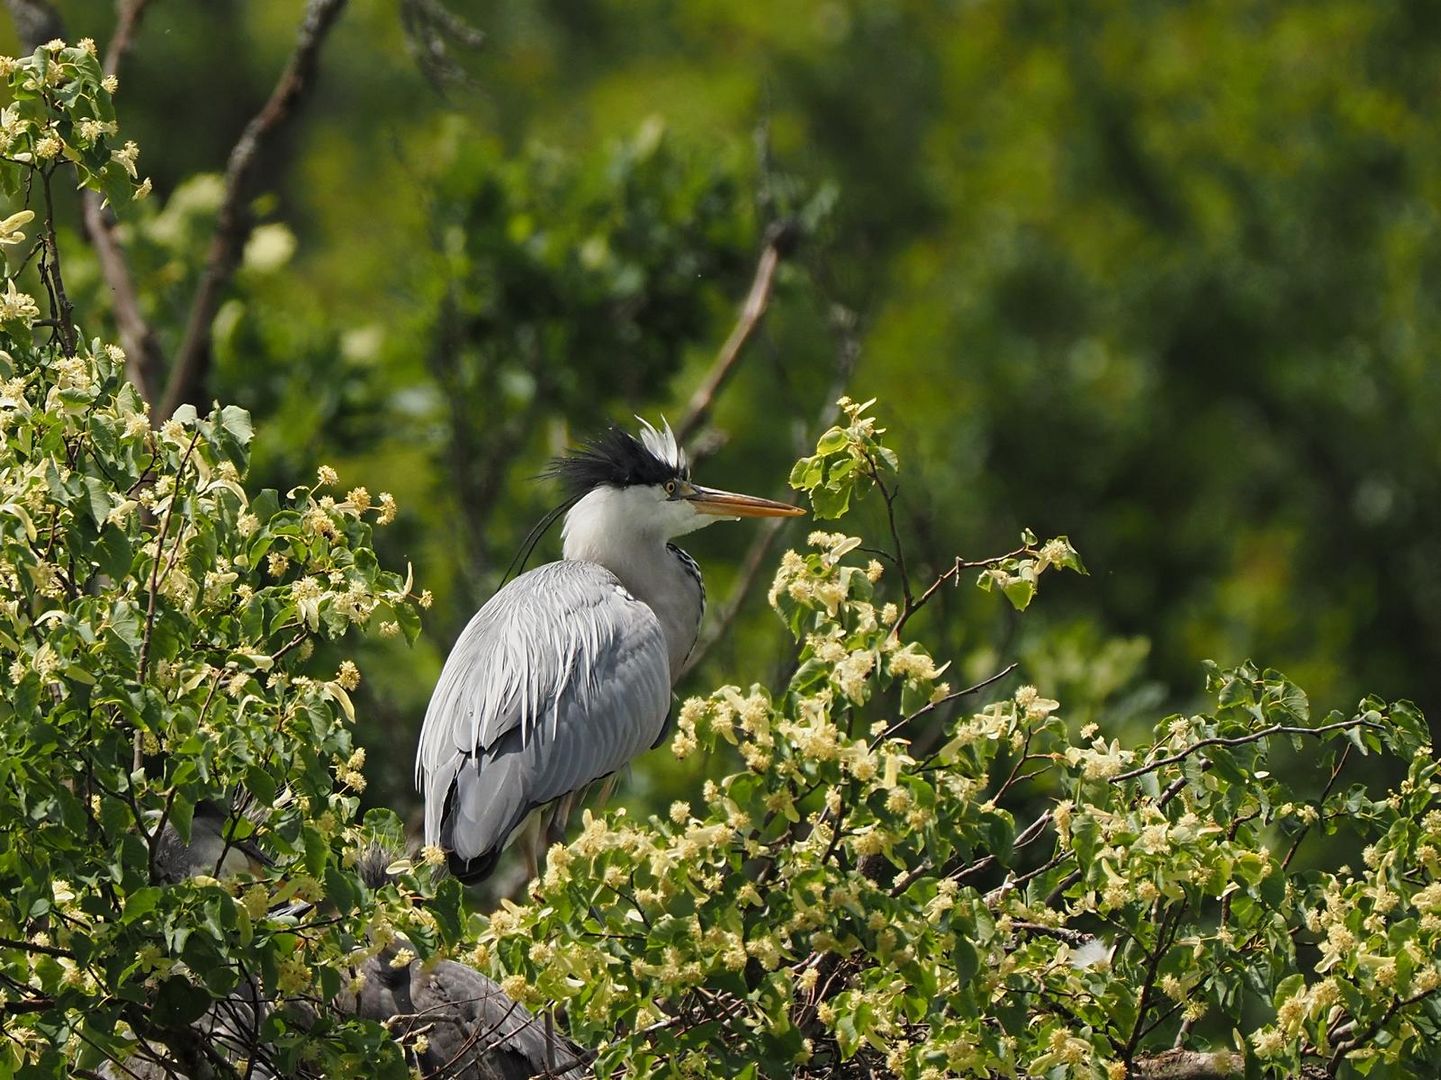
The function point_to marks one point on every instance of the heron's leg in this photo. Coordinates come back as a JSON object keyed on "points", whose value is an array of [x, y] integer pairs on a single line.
{"points": [[559, 815], [529, 844], [606, 788]]}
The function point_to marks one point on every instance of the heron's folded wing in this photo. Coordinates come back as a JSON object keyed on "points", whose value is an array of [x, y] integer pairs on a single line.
{"points": [[560, 679]]}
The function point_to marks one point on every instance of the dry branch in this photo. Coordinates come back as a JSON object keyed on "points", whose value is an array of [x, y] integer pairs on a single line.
{"points": [[1189, 1065], [781, 240], [848, 352], [192, 362], [144, 360], [126, 23]]}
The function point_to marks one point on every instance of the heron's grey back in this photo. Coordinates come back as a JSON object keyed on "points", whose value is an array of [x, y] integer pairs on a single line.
{"points": [[560, 679]]}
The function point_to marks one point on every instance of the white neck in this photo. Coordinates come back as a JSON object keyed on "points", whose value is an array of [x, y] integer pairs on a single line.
{"points": [[626, 531]]}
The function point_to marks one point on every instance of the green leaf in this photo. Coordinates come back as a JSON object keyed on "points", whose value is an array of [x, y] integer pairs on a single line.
{"points": [[1020, 592], [113, 554], [179, 1003], [140, 903], [234, 432], [832, 441]]}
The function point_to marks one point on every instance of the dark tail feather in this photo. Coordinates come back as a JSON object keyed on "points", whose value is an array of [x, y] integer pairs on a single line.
{"points": [[469, 871]]}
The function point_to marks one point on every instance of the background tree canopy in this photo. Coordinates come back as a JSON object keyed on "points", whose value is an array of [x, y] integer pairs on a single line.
{"points": [[1162, 278], [1158, 277]]}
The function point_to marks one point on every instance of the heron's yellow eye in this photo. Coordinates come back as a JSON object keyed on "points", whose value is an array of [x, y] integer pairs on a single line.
{"points": [[670, 487]]}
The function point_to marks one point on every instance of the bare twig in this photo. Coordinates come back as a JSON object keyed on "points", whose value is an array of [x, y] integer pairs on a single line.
{"points": [[1027, 836], [1074, 938], [1320, 802], [953, 575], [952, 696], [1349, 1042], [432, 34], [847, 353], [899, 555], [781, 240], [192, 361], [1153, 966], [144, 360], [33, 947], [126, 23], [50, 270]]}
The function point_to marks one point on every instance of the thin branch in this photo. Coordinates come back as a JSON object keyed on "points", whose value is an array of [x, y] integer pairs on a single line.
{"points": [[1188, 1065], [192, 361], [1241, 740], [144, 357], [1153, 967], [1176, 786], [899, 557], [847, 353], [126, 23], [1074, 938], [1346, 1045], [55, 281], [1321, 802], [781, 240], [1027, 836], [952, 696], [953, 575], [34, 1005], [33, 947], [144, 360]]}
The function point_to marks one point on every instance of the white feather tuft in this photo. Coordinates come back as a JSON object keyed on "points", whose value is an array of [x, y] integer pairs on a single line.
{"points": [[662, 443]]}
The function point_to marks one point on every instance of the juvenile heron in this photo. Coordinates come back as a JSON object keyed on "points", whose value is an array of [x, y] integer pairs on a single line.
{"points": [[565, 674]]}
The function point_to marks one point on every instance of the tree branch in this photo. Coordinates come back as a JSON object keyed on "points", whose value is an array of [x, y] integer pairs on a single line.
{"points": [[953, 575], [127, 22], [1188, 1065], [755, 562], [144, 359], [1239, 740], [781, 240], [1349, 1041], [847, 353], [192, 362], [33, 947]]}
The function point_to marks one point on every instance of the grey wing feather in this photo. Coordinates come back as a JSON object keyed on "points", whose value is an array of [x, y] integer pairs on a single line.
{"points": [[475, 1024], [560, 679]]}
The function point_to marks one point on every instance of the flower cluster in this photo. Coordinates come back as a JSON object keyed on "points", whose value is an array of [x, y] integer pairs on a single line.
{"points": [[861, 886], [156, 624]]}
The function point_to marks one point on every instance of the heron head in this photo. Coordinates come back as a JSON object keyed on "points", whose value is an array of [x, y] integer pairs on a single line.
{"points": [[644, 483]]}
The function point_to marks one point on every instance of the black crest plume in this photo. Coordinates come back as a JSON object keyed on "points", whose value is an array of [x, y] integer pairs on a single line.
{"points": [[615, 458], [618, 459]]}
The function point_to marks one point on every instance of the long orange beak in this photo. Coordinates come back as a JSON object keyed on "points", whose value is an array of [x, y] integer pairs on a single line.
{"points": [[729, 504]]}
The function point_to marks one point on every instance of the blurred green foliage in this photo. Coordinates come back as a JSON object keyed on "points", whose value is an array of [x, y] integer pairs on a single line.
{"points": [[1161, 277]]}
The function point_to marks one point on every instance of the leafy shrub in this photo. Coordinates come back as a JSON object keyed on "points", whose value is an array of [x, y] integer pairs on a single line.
{"points": [[155, 625], [868, 892]]}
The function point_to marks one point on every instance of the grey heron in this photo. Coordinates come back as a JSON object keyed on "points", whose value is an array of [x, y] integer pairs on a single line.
{"points": [[211, 849], [565, 674], [473, 1030]]}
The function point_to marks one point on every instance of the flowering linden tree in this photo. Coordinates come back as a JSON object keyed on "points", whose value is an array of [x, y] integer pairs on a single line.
{"points": [[157, 625], [877, 891], [888, 877]]}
